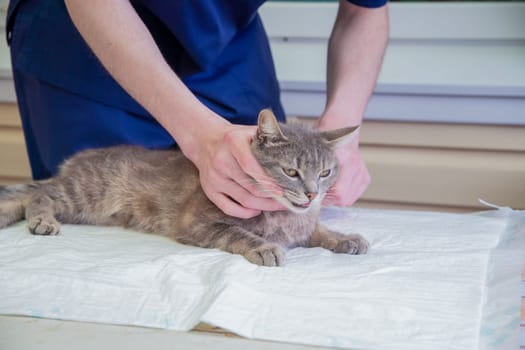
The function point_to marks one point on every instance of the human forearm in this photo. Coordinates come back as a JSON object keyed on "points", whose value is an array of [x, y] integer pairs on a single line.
{"points": [[355, 53], [123, 44]]}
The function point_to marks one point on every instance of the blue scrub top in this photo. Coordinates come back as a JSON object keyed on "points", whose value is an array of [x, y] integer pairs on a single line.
{"points": [[218, 48]]}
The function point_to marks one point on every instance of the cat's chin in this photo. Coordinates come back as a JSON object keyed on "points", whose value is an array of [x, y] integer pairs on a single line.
{"points": [[296, 207]]}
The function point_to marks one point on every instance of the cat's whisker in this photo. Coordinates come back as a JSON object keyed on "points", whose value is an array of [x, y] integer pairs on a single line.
{"points": [[259, 175], [262, 178], [271, 193]]}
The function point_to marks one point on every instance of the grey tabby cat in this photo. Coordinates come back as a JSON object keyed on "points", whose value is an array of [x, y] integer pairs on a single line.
{"points": [[159, 192]]}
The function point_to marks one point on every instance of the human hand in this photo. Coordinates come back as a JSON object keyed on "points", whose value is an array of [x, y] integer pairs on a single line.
{"points": [[353, 178], [227, 170]]}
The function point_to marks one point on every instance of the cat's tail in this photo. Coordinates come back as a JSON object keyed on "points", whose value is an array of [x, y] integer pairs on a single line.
{"points": [[13, 200]]}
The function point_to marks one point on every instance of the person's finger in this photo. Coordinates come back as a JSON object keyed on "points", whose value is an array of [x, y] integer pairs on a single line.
{"points": [[225, 167], [250, 174], [259, 188], [352, 181], [231, 208], [248, 200], [211, 183], [362, 181], [356, 188], [233, 199]]}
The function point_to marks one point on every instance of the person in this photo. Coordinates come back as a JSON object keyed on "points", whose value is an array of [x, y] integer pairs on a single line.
{"points": [[186, 73]]}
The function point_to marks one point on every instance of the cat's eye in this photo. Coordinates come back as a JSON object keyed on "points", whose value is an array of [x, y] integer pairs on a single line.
{"points": [[325, 173], [291, 172]]}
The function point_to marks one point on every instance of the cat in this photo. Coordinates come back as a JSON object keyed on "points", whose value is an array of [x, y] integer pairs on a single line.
{"points": [[158, 191]]}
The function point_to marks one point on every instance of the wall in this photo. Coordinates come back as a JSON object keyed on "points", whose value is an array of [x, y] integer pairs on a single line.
{"points": [[444, 166], [14, 166]]}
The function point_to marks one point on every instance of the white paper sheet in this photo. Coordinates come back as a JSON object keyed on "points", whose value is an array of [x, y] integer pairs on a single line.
{"points": [[430, 281]]}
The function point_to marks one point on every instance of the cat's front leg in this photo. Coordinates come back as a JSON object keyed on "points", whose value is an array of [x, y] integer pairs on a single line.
{"points": [[337, 242], [40, 213], [255, 249], [237, 240]]}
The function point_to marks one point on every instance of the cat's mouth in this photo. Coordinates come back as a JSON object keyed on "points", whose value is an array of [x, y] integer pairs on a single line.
{"points": [[296, 206], [300, 206], [294, 203]]}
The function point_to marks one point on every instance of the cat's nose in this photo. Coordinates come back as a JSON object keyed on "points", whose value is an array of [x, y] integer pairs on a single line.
{"points": [[311, 195]]}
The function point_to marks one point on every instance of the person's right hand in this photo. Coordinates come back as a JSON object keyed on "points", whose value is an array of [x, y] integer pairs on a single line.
{"points": [[227, 170]]}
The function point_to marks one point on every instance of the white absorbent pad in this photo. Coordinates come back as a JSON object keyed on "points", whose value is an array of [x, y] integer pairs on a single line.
{"points": [[430, 281]]}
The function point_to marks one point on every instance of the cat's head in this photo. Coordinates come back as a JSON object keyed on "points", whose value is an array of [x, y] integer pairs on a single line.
{"points": [[300, 160]]}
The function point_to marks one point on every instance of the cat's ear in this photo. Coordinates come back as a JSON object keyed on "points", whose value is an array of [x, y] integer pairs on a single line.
{"points": [[268, 130], [339, 137]]}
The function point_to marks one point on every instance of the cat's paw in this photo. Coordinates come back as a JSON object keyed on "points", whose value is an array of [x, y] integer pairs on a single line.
{"points": [[43, 225], [266, 255], [352, 244]]}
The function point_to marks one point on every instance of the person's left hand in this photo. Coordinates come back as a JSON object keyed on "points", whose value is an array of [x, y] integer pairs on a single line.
{"points": [[353, 178]]}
